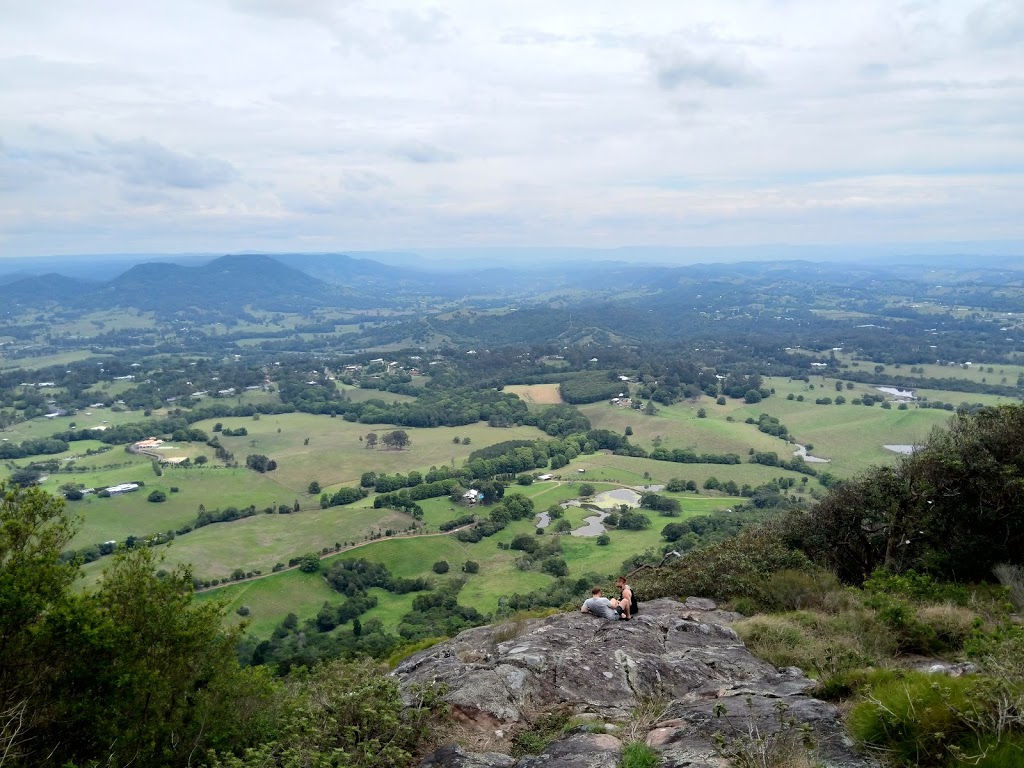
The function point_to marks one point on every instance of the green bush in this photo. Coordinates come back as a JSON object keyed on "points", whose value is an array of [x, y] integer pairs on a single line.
{"points": [[638, 755], [793, 590], [916, 720], [344, 713], [734, 568]]}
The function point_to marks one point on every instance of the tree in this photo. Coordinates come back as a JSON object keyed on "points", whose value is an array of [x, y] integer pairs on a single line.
{"points": [[634, 521], [371, 440], [200, 460], [471, 566], [752, 396], [950, 509], [702, 413], [260, 463], [134, 671], [586, 489], [441, 566], [309, 563], [314, 488], [397, 439], [157, 497], [25, 477]]}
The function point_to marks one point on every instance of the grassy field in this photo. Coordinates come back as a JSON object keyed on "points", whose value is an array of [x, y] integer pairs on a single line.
{"points": [[678, 426], [43, 361], [130, 514], [639, 472], [260, 541], [271, 599], [309, 447]]}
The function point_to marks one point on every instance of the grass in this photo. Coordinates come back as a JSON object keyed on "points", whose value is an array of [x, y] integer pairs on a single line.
{"points": [[130, 514], [260, 541], [630, 471], [334, 455], [7, 362], [269, 600]]}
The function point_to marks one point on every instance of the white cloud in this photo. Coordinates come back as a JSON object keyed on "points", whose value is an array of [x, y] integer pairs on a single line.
{"points": [[228, 124]]}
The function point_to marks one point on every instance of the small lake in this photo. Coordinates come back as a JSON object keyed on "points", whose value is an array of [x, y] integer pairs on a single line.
{"points": [[803, 454], [616, 497], [594, 524], [602, 505], [897, 392], [904, 449]]}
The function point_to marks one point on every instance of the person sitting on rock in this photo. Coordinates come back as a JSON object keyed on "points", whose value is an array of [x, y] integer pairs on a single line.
{"points": [[600, 606], [628, 607]]}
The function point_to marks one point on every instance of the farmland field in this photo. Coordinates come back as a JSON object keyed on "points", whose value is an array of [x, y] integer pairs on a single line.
{"points": [[309, 447], [536, 394]]}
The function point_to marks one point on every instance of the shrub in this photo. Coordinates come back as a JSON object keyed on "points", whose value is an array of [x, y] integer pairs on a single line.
{"points": [[915, 718], [157, 497], [441, 566], [736, 567], [638, 755], [794, 590]]}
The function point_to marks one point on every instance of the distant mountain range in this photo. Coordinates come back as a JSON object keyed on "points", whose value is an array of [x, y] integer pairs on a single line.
{"points": [[299, 282]]}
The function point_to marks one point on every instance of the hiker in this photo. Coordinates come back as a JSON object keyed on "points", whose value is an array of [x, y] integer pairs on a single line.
{"points": [[600, 606], [628, 607]]}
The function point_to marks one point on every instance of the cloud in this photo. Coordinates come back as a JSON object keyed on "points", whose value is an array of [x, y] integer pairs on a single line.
{"points": [[723, 68], [147, 163], [431, 27], [363, 181], [140, 162], [421, 152], [997, 23]]}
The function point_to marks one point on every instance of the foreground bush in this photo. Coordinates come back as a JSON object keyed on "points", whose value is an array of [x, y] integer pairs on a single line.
{"points": [[918, 719], [735, 568], [344, 714]]}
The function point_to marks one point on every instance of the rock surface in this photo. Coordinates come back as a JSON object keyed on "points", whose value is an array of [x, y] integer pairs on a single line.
{"points": [[689, 676]]}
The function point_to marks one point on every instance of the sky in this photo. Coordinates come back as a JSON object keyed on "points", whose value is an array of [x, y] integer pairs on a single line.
{"points": [[333, 125]]}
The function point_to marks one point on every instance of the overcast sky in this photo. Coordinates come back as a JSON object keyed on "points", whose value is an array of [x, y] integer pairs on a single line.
{"points": [[319, 125]]}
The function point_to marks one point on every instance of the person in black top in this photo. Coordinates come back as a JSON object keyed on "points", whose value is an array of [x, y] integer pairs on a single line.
{"points": [[627, 600]]}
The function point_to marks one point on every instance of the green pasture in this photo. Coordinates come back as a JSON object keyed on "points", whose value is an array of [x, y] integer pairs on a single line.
{"points": [[630, 471], [9, 362], [131, 515], [87, 418], [271, 599], [360, 395], [334, 454], [678, 427], [994, 373], [851, 436], [260, 541]]}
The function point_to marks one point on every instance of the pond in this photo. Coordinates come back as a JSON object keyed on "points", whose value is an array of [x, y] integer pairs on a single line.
{"points": [[904, 449], [602, 505], [897, 392], [803, 454], [594, 525]]}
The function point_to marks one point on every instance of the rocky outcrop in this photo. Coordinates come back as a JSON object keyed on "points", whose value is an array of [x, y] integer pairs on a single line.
{"points": [[674, 676]]}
